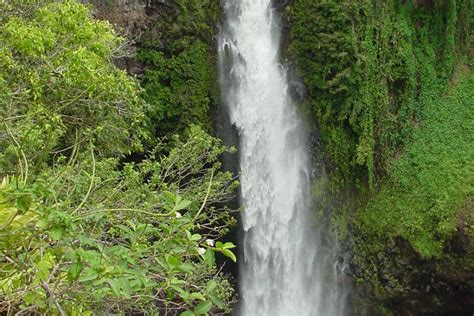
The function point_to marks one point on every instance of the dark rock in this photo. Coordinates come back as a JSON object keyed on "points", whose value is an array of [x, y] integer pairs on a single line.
{"points": [[131, 18]]}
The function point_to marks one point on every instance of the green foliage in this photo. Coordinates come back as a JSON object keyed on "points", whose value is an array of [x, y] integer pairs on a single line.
{"points": [[178, 87], [361, 62], [106, 239], [426, 201], [325, 55], [82, 231], [378, 74], [180, 72], [58, 87], [430, 181]]}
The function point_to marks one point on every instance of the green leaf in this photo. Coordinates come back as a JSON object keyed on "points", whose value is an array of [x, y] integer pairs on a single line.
{"points": [[229, 245], [181, 205], [166, 228], [182, 293], [187, 313], [211, 286], [114, 286], [186, 267], [216, 300], [42, 223], [195, 237], [230, 254], [203, 308], [23, 203], [125, 288], [176, 281], [197, 296], [89, 275], [210, 257], [169, 200], [56, 233], [74, 271], [44, 267], [179, 289], [162, 263], [173, 261], [32, 298]]}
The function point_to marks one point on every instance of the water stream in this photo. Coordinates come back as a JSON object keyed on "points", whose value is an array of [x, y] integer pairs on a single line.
{"points": [[283, 271]]}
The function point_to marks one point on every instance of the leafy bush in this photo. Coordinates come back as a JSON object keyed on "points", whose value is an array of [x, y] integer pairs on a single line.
{"points": [[59, 88], [82, 231], [90, 237], [178, 87]]}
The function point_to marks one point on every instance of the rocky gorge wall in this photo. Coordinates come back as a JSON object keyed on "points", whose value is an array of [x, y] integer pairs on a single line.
{"points": [[131, 18], [389, 84], [386, 83]]}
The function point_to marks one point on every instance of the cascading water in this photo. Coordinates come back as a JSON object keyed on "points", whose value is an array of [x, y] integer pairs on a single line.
{"points": [[282, 270]]}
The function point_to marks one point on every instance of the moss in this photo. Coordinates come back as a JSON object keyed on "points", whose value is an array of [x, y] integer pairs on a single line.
{"points": [[359, 60], [324, 50], [373, 69], [431, 180], [419, 217]]}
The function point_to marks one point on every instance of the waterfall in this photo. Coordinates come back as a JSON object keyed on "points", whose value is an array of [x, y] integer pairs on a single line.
{"points": [[283, 271]]}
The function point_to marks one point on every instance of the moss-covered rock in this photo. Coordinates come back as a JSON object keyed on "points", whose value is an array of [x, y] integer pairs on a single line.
{"points": [[389, 83], [413, 240], [179, 56], [363, 63]]}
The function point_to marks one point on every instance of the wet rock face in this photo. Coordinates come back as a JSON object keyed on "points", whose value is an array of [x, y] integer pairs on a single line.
{"points": [[405, 284], [131, 18]]}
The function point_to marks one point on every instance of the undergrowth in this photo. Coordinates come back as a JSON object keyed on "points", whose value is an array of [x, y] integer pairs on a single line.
{"points": [[431, 180], [83, 231], [363, 63], [390, 86], [180, 66]]}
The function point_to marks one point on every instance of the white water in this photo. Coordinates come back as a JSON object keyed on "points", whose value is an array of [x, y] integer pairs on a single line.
{"points": [[281, 270]]}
